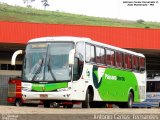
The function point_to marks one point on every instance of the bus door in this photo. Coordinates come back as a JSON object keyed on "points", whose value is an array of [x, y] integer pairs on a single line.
{"points": [[78, 83]]}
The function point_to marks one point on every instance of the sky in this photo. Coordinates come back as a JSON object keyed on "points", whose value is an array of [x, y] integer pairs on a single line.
{"points": [[119, 9]]}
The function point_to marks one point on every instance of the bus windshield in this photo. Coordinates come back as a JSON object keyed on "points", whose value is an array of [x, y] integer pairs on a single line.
{"points": [[47, 62]]}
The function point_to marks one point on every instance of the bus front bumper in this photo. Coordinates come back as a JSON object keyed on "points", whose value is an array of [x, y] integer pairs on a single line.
{"points": [[64, 95]]}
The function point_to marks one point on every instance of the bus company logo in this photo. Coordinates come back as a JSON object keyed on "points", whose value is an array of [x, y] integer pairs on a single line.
{"points": [[110, 77], [113, 77]]}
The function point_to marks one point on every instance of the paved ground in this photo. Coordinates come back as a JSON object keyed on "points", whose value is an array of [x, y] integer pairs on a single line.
{"points": [[40, 113]]}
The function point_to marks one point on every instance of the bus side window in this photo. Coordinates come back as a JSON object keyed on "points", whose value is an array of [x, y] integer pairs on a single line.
{"points": [[121, 60], [112, 58], [117, 59], [142, 64], [88, 53], [92, 57], [135, 63], [103, 56], [127, 59], [79, 60], [108, 57], [100, 55]]}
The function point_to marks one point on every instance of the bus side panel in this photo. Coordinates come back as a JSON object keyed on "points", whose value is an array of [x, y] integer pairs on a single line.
{"points": [[141, 79], [114, 84]]}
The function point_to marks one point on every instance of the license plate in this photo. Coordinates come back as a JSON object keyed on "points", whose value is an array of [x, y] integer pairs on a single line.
{"points": [[43, 96]]}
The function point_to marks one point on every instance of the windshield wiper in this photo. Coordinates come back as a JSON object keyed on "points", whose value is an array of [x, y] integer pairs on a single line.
{"points": [[38, 69], [49, 69]]}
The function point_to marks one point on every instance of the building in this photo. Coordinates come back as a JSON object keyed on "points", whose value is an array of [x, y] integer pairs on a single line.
{"points": [[14, 36]]}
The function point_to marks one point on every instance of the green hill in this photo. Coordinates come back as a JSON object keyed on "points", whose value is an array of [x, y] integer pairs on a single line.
{"points": [[20, 14]]}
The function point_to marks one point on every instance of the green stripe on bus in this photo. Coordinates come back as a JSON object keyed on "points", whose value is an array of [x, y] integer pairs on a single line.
{"points": [[115, 85], [48, 87]]}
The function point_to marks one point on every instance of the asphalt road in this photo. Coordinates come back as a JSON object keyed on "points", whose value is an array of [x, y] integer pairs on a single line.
{"points": [[40, 113]]}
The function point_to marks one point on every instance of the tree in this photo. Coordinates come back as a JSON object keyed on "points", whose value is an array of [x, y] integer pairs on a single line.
{"points": [[27, 2], [140, 21], [45, 3]]}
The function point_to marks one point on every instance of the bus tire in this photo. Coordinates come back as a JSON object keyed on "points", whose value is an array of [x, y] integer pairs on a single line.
{"points": [[47, 104], [18, 102], [88, 100], [55, 104], [129, 103]]}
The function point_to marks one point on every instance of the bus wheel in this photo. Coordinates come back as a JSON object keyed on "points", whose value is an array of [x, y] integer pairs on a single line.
{"points": [[130, 101], [47, 104], [88, 100], [55, 104], [18, 102]]}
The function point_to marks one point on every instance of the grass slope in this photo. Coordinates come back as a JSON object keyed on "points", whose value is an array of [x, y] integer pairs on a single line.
{"points": [[20, 14]]}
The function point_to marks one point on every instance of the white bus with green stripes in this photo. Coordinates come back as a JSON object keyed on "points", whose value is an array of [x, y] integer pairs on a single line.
{"points": [[77, 69]]}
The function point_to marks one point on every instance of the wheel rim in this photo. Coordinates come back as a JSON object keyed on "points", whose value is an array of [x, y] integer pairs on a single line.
{"points": [[88, 100], [130, 101]]}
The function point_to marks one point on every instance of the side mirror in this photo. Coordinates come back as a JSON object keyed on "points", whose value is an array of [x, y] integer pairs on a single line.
{"points": [[14, 56], [71, 57]]}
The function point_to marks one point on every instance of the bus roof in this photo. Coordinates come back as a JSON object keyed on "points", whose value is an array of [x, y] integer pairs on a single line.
{"points": [[78, 39]]}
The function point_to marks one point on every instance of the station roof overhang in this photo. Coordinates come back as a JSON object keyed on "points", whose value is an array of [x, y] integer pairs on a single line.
{"points": [[130, 38]]}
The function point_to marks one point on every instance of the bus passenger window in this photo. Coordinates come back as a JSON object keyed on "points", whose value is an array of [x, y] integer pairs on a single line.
{"points": [[98, 55], [128, 64], [117, 59], [80, 50], [108, 57], [88, 53], [142, 64], [92, 59], [121, 60], [135, 63], [102, 56], [112, 58]]}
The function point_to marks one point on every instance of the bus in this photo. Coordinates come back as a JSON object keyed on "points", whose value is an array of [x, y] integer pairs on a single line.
{"points": [[14, 91], [152, 92], [78, 69], [15, 94]]}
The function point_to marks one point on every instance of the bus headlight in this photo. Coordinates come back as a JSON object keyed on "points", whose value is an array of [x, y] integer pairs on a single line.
{"points": [[26, 89], [63, 89]]}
